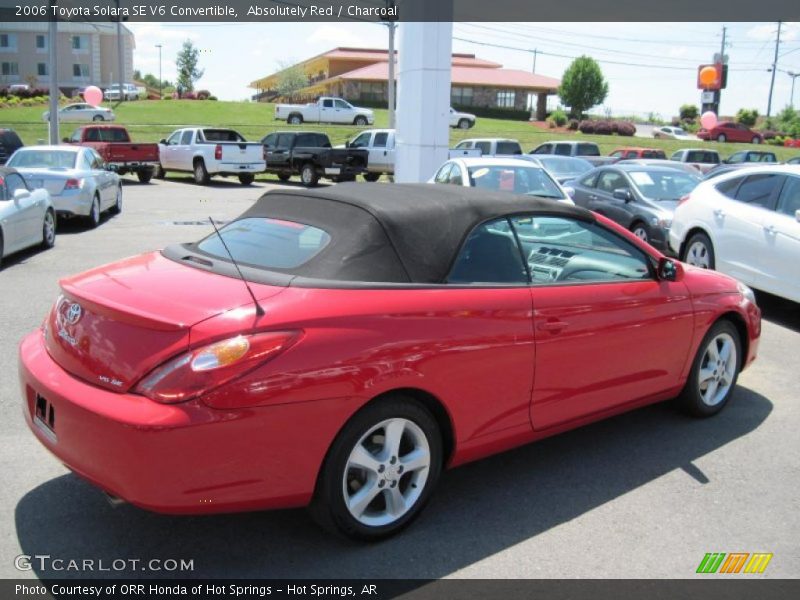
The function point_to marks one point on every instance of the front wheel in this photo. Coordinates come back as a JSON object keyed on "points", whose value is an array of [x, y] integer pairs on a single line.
{"points": [[380, 471], [308, 175], [756, 140], [93, 220], [714, 371], [98, 118], [246, 178], [699, 251], [640, 231], [360, 121], [464, 124], [49, 230], [721, 138]]}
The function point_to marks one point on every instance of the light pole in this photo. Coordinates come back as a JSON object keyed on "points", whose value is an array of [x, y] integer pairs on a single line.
{"points": [[160, 93], [793, 76]]}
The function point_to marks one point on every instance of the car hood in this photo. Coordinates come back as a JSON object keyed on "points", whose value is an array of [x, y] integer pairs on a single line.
{"points": [[113, 324]]}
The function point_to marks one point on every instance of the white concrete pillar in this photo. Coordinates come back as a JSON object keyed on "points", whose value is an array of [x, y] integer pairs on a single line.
{"points": [[423, 100]]}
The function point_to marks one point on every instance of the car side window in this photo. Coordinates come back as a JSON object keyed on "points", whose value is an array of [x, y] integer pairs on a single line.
{"points": [[464, 145], [563, 149], [562, 250], [14, 182], [380, 139], [269, 141], [610, 181], [284, 140], [174, 139], [443, 173], [3, 195], [484, 147], [455, 177], [327, 103], [589, 180], [789, 200], [728, 188], [76, 136], [677, 155], [341, 104], [616, 154], [491, 255], [97, 160], [757, 190], [362, 141], [186, 138], [544, 149]]}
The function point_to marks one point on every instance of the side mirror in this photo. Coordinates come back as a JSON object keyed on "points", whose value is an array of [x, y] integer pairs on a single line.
{"points": [[163, 142], [570, 191], [347, 144], [797, 216], [623, 194], [21, 194], [669, 269]]}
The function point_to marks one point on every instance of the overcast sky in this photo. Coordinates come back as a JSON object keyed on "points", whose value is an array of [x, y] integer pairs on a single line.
{"points": [[649, 66]]}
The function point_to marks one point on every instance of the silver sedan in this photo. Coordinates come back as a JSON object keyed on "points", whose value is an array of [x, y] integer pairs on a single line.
{"points": [[77, 179], [27, 217], [81, 112]]}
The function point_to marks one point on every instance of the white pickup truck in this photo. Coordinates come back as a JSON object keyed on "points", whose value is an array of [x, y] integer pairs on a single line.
{"points": [[324, 110], [209, 151], [380, 145]]}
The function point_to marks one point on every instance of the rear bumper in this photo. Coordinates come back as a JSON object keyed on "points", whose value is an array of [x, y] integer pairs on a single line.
{"points": [[73, 203], [134, 165], [238, 168], [182, 458]]}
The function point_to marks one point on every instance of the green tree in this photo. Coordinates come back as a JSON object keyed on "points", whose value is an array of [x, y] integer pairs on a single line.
{"points": [[290, 79], [688, 112], [747, 117], [583, 86], [187, 60]]}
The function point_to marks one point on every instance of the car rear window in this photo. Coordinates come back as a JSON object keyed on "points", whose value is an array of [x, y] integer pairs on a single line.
{"points": [[222, 135], [653, 154], [43, 159], [508, 148], [107, 134], [699, 156], [588, 150], [267, 243]]}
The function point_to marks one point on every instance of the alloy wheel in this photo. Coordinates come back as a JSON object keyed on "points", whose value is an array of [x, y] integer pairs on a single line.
{"points": [[698, 255], [640, 232], [49, 229], [717, 369]]}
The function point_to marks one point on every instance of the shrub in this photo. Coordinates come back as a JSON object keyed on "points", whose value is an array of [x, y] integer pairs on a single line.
{"points": [[558, 118], [626, 128], [167, 98], [770, 134], [214, 98], [747, 117], [572, 125], [586, 126], [203, 94], [490, 112]]}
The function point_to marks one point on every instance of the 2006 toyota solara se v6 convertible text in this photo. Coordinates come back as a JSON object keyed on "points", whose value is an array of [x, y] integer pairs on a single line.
{"points": [[338, 348]]}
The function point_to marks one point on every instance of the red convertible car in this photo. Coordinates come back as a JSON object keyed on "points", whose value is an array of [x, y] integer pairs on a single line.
{"points": [[338, 348]]}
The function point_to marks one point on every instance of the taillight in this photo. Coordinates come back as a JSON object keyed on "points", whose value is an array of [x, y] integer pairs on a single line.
{"points": [[218, 152], [683, 199], [264, 152], [72, 184], [203, 369]]}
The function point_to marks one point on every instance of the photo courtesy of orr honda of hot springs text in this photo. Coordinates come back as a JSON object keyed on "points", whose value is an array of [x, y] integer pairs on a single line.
{"points": [[337, 348]]}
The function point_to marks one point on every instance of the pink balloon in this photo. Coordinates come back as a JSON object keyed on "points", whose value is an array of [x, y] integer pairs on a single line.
{"points": [[93, 95], [708, 120]]}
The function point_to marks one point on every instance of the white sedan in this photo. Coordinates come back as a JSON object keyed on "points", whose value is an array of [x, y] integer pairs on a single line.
{"points": [[77, 179], [501, 174], [27, 217], [81, 112], [746, 224], [671, 133]]}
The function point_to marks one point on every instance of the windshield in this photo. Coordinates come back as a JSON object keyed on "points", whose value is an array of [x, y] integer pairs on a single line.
{"points": [[43, 159], [659, 185], [518, 180], [267, 243], [560, 166]]}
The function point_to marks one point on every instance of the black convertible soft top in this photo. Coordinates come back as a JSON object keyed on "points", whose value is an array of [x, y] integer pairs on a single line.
{"points": [[392, 233]]}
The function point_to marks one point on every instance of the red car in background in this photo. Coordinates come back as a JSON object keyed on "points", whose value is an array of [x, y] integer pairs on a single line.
{"points": [[636, 152], [728, 131], [365, 337], [113, 143]]}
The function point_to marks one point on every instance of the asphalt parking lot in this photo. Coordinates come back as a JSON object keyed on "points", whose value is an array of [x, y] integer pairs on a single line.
{"points": [[643, 495]]}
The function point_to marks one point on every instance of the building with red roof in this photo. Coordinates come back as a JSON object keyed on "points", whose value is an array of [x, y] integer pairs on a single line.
{"points": [[361, 75]]}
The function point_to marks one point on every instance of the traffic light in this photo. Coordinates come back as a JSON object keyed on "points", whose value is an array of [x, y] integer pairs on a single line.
{"points": [[712, 77]]}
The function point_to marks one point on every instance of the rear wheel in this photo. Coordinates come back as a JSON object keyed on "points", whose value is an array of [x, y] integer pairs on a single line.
{"points": [[98, 118], [246, 178], [371, 177], [117, 208], [200, 173], [721, 138], [93, 219], [284, 176], [756, 140], [159, 172], [699, 251], [308, 175], [295, 120], [145, 175], [49, 230], [380, 471], [714, 371]]}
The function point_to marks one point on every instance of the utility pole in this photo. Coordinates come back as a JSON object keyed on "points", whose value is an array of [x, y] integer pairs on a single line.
{"points": [[52, 59], [160, 85], [535, 51], [774, 69], [119, 55], [793, 76], [390, 83]]}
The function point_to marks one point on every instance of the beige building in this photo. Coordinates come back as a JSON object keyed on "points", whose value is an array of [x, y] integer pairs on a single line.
{"points": [[87, 54]]}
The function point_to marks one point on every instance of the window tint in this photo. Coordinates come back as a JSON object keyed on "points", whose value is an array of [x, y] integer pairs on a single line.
{"points": [[267, 243], [174, 139], [789, 200], [757, 189], [380, 139], [484, 147], [610, 181], [489, 255], [508, 148], [284, 140], [341, 104], [653, 154], [313, 140], [455, 177], [590, 180], [563, 149], [544, 149], [269, 141], [588, 150], [361, 141], [660, 185], [700, 156], [186, 138], [14, 182], [327, 103], [728, 188], [562, 250]]}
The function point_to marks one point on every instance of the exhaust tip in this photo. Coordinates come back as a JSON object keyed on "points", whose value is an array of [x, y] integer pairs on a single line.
{"points": [[114, 501]]}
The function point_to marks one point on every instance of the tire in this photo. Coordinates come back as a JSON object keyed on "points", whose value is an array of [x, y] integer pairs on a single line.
{"points": [[159, 172], [464, 124], [639, 229], [48, 230], [144, 175], [714, 372], [284, 176], [308, 175], [699, 251], [721, 138], [360, 121], [295, 120], [371, 177], [117, 208], [98, 118], [246, 178], [93, 220], [200, 174], [398, 487], [756, 140]]}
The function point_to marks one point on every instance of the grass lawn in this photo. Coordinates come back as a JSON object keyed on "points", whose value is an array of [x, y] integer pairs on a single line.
{"points": [[150, 121]]}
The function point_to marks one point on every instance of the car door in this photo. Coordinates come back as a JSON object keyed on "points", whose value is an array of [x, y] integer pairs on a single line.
{"points": [[381, 153], [25, 223], [738, 224], [183, 151], [104, 178], [327, 113], [343, 111], [282, 153], [781, 229], [607, 331], [604, 202], [167, 150]]}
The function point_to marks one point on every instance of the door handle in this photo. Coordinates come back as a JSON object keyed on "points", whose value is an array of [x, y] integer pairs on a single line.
{"points": [[719, 213], [770, 229], [553, 325]]}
